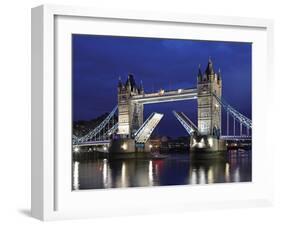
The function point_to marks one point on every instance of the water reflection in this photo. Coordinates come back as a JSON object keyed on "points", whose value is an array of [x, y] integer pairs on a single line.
{"points": [[176, 169]]}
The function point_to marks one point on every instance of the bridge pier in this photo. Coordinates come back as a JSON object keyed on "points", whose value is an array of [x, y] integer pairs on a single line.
{"points": [[206, 143], [128, 145]]}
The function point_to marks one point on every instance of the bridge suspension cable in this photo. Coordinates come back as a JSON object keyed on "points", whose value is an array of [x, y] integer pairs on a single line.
{"points": [[237, 118], [106, 128], [234, 113]]}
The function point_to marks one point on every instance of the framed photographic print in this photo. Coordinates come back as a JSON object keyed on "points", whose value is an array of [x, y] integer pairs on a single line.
{"points": [[136, 112]]}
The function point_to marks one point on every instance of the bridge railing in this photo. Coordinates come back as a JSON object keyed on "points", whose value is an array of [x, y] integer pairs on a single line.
{"points": [[235, 137]]}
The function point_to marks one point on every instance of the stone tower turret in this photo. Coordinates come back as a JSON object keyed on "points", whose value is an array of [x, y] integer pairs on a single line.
{"points": [[130, 115], [209, 110]]}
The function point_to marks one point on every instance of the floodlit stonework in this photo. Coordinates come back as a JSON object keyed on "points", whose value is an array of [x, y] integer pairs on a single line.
{"points": [[209, 111], [131, 100], [130, 116]]}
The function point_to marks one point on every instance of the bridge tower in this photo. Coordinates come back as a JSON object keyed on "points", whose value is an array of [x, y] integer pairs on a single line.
{"points": [[209, 110], [130, 115]]}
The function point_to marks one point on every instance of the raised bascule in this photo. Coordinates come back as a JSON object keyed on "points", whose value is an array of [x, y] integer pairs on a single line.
{"points": [[131, 133]]}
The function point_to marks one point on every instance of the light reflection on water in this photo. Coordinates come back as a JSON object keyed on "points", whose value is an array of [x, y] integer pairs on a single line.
{"points": [[176, 169]]}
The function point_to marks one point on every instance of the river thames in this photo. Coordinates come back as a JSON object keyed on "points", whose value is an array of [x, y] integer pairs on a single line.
{"points": [[175, 169]]}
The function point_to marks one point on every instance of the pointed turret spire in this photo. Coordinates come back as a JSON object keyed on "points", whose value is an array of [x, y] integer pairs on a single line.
{"points": [[219, 74], [128, 82], [140, 89], [209, 69], [119, 82], [131, 82], [199, 76], [141, 85]]}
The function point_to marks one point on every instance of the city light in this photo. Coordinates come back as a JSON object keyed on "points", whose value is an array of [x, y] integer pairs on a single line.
{"points": [[123, 175], [201, 143], [161, 92], [194, 142], [76, 176], [150, 173], [105, 171], [76, 149], [226, 172], [210, 141], [210, 175], [150, 146], [202, 176], [179, 90], [124, 146]]}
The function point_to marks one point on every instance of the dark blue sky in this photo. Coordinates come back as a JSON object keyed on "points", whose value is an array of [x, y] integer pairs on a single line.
{"points": [[98, 61]]}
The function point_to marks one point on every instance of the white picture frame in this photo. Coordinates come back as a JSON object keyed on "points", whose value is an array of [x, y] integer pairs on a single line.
{"points": [[51, 198]]}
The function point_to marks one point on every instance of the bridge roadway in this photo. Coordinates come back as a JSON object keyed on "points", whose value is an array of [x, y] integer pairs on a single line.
{"points": [[100, 146], [93, 143], [236, 138], [144, 132], [186, 122], [166, 96]]}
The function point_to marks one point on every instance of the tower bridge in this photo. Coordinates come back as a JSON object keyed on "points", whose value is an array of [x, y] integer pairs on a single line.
{"points": [[133, 133]]}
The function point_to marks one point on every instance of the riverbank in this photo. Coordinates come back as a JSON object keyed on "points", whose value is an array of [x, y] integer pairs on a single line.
{"points": [[117, 156]]}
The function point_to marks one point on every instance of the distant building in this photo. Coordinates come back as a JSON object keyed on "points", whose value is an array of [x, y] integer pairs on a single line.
{"points": [[156, 143]]}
